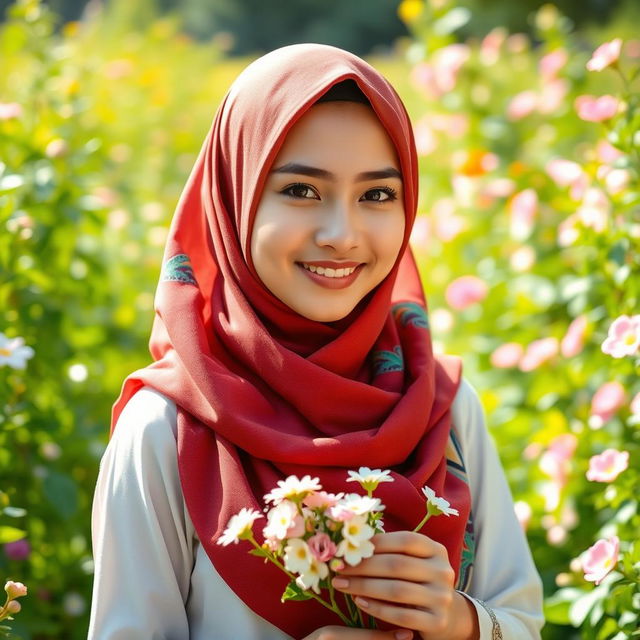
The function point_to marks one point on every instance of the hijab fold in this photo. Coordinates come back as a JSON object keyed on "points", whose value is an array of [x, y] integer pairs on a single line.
{"points": [[262, 392]]}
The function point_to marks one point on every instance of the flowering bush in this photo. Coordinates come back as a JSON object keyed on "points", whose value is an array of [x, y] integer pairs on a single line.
{"points": [[533, 150], [311, 534]]}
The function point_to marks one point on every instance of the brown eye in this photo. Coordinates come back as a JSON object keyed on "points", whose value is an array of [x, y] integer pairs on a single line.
{"points": [[381, 194], [300, 190]]}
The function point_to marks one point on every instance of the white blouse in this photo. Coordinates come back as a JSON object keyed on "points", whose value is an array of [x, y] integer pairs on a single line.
{"points": [[154, 581]]}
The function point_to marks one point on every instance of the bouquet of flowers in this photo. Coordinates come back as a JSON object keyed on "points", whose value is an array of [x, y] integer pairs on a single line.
{"points": [[311, 534]]}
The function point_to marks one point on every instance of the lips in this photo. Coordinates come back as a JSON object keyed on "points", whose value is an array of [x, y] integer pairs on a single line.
{"points": [[331, 275]]}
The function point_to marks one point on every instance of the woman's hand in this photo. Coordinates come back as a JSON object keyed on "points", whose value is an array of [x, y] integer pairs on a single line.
{"points": [[345, 633], [409, 582]]}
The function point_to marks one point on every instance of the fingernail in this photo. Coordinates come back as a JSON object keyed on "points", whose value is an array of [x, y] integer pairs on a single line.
{"points": [[361, 602], [403, 635], [340, 583]]}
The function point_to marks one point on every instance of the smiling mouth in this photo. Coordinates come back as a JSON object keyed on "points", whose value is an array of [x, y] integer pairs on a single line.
{"points": [[329, 272]]}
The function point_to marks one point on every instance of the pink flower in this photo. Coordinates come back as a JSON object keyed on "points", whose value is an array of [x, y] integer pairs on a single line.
{"points": [[447, 64], [624, 337], [539, 352], [15, 589], [18, 550], [607, 466], [426, 139], [321, 500], [507, 355], [13, 606], [10, 110], [594, 211], [617, 180], [600, 559], [593, 109], [552, 96], [605, 403], [607, 153], [522, 105], [491, 45], [421, 233], [573, 341], [605, 55], [568, 231], [465, 291], [550, 64], [523, 209], [564, 172], [322, 547]]}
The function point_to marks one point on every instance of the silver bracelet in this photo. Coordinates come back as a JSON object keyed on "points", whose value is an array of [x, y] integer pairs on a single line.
{"points": [[496, 632]]}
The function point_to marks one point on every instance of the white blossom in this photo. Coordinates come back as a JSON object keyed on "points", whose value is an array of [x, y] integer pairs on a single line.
{"points": [[239, 527], [437, 505], [14, 353], [292, 488]]}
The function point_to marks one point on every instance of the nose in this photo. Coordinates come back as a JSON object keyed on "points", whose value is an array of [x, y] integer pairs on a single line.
{"points": [[339, 227]]}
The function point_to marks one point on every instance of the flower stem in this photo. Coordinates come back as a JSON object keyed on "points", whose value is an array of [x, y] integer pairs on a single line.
{"points": [[324, 603], [422, 522]]}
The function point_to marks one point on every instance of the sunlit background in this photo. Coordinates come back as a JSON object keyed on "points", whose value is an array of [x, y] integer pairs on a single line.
{"points": [[528, 239]]}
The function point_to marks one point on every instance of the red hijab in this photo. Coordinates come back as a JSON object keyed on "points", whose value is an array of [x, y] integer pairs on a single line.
{"points": [[262, 392]]}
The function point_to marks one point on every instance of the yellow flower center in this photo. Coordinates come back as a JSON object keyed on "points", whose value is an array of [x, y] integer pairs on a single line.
{"points": [[5, 352], [629, 338]]}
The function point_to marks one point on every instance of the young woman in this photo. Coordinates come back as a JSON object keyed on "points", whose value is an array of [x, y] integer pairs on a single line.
{"points": [[291, 337]]}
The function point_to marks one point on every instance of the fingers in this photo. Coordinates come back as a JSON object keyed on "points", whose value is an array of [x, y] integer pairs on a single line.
{"points": [[345, 633], [402, 567], [395, 591], [408, 542]]}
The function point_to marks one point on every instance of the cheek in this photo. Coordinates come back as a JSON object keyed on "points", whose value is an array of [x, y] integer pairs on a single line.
{"points": [[389, 238]]}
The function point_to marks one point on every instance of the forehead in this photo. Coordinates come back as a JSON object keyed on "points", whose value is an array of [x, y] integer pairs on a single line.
{"points": [[339, 128]]}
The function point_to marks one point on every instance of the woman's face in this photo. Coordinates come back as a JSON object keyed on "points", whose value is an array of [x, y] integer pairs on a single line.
{"points": [[330, 221]]}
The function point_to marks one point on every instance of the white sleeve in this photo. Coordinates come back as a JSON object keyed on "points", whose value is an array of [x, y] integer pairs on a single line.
{"points": [[142, 546], [504, 576]]}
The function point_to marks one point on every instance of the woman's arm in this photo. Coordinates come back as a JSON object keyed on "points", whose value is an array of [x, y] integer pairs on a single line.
{"points": [[504, 576], [143, 551]]}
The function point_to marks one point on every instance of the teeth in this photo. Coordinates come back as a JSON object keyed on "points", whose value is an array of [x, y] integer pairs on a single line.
{"points": [[327, 272]]}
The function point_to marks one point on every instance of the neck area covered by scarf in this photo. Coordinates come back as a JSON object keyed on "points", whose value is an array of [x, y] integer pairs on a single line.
{"points": [[263, 392]]}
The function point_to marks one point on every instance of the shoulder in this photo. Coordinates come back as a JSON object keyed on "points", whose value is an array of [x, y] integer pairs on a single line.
{"points": [[467, 410], [149, 419]]}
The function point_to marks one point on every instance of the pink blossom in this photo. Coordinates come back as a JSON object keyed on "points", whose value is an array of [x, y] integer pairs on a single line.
{"points": [[10, 110], [624, 337], [13, 606], [573, 341], [605, 55], [454, 125], [341, 512], [632, 48], [15, 589], [568, 231], [426, 140], [18, 550], [491, 45], [448, 227], [600, 559], [465, 291], [594, 210], [617, 180], [608, 465], [447, 64], [523, 209], [605, 403], [499, 188], [322, 547], [594, 109], [551, 63], [539, 352], [507, 355], [607, 153], [564, 172], [321, 499], [421, 233], [522, 105], [552, 96]]}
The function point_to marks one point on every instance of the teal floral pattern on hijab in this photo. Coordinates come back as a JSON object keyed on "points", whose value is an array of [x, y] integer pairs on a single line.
{"points": [[178, 269]]}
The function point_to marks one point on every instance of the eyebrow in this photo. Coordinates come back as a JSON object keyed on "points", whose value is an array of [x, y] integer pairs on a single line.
{"points": [[314, 172]]}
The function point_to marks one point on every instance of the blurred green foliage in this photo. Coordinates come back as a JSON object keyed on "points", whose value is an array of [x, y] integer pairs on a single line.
{"points": [[107, 122]]}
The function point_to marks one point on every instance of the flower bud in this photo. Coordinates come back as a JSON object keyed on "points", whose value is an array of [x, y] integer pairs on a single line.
{"points": [[15, 589], [13, 606], [336, 564]]}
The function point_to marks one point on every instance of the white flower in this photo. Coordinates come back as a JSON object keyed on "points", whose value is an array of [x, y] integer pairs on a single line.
{"points": [[14, 353], [353, 551], [436, 505], [369, 478], [311, 576], [282, 519], [297, 556], [292, 488], [239, 527], [356, 529], [357, 504]]}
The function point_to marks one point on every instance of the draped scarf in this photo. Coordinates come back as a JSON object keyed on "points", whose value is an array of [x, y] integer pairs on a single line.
{"points": [[263, 392]]}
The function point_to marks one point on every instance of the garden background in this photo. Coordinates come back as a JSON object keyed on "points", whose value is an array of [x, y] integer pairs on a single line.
{"points": [[528, 239]]}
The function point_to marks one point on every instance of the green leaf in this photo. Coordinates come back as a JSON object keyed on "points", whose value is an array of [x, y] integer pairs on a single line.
{"points": [[556, 608], [294, 592], [11, 534]]}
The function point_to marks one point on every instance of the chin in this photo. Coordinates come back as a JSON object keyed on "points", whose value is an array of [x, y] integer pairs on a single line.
{"points": [[325, 315]]}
